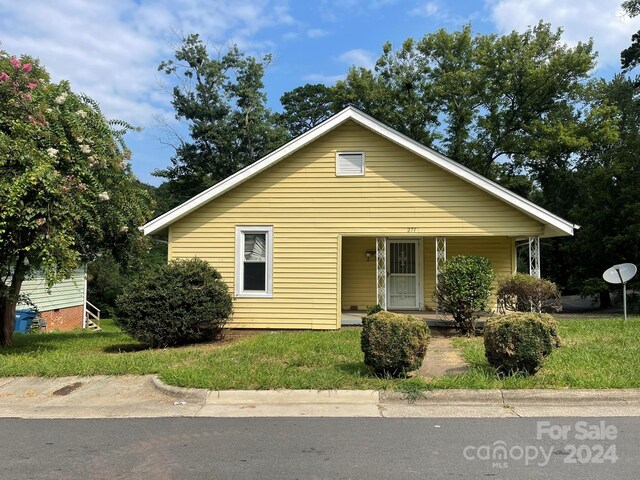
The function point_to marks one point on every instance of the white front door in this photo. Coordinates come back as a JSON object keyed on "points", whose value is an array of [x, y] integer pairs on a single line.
{"points": [[404, 264]]}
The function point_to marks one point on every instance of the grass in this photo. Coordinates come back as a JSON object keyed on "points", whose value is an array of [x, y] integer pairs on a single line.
{"points": [[597, 353], [296, 360]]}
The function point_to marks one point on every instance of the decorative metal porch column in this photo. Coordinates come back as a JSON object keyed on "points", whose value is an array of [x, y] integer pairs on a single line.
{"points": [[534, 257], [381, 271], [441, 257]]}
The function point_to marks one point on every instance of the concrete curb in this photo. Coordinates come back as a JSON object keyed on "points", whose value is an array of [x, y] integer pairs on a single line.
{"points": [[452, 397], [627, 396], [446, 397], [290, 397], [191, 395]]}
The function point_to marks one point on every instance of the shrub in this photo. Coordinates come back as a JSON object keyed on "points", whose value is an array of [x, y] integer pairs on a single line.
{"points": [[518, 342], [394, 344], [463, 289], [374, 309], [526, 293], [180, 302]]}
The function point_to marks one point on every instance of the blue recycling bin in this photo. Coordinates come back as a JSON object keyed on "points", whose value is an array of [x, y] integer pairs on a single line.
{"points": [[24, 319]]}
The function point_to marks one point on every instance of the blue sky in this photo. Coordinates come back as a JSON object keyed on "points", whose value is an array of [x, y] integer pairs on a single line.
{"points": [[110, 49]]}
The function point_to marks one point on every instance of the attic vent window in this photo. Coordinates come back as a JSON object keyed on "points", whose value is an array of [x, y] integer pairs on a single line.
{"points": [[349, 163]]}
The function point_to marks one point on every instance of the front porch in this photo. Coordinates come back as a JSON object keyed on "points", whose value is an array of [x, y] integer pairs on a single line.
{"points": [[400, 273], [352, 318]]}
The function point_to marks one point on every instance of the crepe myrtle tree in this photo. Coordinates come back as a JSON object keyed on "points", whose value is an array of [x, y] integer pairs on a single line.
{"points": [[66, 189]]}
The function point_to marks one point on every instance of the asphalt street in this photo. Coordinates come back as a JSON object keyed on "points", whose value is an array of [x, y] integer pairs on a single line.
{"points": [[315, 448]]}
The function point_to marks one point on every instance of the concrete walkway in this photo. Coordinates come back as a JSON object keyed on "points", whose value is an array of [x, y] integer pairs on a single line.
{"points": [[146, 396], [442, 359]]}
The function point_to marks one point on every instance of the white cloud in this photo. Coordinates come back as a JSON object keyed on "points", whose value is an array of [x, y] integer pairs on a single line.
{"points": [[358, 57], [110, 50], [428, 9], [581, 19], [316, 33]]}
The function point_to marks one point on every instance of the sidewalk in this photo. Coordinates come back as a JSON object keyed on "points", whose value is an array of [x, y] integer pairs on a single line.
{"points": [[146, 396]]}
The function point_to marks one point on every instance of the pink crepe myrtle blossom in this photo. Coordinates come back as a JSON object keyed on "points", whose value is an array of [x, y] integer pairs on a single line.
{"points": [[31, 86], [4, 77], [26, 67], [15, 63]]}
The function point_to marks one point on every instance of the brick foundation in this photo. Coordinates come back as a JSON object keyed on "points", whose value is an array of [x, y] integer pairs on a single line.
{"points": [[64, 319]]}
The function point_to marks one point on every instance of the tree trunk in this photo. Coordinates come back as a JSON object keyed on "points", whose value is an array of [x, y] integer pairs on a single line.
{"points": [[8, 307], [605, 299]]}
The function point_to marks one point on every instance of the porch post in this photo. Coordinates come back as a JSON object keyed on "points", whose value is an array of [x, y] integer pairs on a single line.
{"points": [[381, 271], [441, 257], [534, 257], [441, 253]]}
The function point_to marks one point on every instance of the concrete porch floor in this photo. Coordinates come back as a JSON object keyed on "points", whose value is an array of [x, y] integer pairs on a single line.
{"points": [[352, 318]]}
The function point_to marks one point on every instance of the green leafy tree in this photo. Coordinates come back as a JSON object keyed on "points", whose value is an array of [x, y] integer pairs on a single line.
{"points": [[305, 107], [66, 189], [606, 197], [397, 93], [630, 56], [488, 97], [223, 102]]}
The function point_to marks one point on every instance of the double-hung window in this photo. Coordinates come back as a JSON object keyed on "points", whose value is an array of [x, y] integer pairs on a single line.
{"points": [[254, 261]]}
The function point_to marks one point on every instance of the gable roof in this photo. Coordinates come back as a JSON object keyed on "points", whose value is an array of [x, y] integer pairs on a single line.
{"points": [[554, 225]]}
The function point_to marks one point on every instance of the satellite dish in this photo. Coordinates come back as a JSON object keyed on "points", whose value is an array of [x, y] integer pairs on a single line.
{"points": [[621, 273]]}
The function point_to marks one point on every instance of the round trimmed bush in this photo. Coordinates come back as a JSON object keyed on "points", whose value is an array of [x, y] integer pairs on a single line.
{"points": [[519, 342], [184, 301], [394, 344]]}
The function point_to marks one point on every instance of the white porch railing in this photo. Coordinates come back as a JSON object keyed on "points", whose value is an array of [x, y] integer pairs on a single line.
{"points": [[92, 314]]}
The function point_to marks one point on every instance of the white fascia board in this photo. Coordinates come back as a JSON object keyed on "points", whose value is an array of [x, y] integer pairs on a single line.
{"points": [[557, 224], [246, 173], [498, 191]]}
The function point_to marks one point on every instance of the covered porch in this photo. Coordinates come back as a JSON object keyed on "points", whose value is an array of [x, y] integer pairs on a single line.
{"points": [[400, 273]]}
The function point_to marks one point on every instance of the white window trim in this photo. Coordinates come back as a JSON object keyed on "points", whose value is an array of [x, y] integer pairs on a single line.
{"points": [[240, 231], [364, 165]]}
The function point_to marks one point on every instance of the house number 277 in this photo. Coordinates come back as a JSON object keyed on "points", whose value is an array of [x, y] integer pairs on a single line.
{"points": [[412, 229]]}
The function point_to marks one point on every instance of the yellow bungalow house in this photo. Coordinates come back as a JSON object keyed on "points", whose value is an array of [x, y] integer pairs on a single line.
{"points": [[347, 215]]}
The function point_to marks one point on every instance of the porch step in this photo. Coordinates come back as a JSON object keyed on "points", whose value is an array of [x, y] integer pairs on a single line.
{"points": [[91, 325]]}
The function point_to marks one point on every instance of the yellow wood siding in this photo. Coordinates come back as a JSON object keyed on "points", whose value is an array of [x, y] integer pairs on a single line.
{"points": [[358, 273], [498, 250], [309, 208]]}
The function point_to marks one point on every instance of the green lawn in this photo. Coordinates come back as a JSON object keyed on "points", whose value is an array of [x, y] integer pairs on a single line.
{"points": [[596, 353], [603, 353]]}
